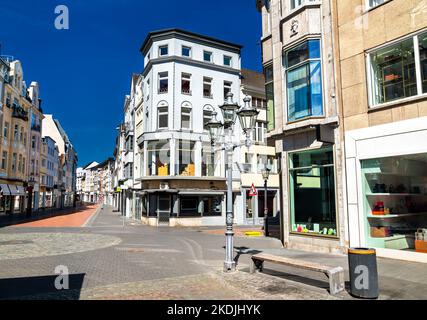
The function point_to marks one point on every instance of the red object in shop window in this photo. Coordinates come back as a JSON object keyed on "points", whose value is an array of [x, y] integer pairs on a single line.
{"points": [[378, 209], [420, 241]]}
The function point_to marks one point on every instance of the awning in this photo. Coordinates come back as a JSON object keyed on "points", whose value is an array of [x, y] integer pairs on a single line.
{"points": [[16, 190], [4, 189], [203, 192], [162, 190]]}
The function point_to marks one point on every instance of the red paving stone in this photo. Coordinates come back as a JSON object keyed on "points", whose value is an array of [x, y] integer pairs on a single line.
{"points": [[73, 219]]}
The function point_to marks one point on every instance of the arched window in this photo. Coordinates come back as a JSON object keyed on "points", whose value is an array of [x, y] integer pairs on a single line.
{"points": [[186, 111], [162, 115], [207, 115]]}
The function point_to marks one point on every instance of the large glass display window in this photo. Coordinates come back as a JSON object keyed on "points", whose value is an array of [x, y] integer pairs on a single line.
{"points": [[395, 202], [312, 192]]}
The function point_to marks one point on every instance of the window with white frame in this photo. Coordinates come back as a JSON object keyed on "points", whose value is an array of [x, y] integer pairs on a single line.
{"points": [[374, 3], [163, 50], [260, 132], [207, 87], [227, 88], [162, 117], [207, 56], [207, 116], [186, 51], [304, 80], [398, 70], [163, 82], [186, 83], [298, 3], [227, 61], [186, 116]]}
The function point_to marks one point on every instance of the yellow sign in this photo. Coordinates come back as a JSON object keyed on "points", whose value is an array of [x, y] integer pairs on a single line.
{"points": [[118, 189]]}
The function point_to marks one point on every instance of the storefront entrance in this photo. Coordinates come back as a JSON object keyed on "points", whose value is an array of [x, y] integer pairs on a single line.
{"points": [[164, 209], [255, 206]]}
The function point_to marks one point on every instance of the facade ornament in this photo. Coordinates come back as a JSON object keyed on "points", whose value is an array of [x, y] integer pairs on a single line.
{"points": [[294, 27]]}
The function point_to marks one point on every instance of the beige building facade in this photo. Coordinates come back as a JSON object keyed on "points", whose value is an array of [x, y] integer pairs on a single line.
{"points": [[383, 69], [299, 57]]}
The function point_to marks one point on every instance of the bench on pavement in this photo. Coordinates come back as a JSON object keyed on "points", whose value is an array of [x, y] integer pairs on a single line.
{"points": [[335, 274]]}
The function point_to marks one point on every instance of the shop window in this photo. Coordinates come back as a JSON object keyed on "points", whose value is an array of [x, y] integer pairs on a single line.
{"points": [[189, 206], [212, 206], [208, 167], [158, 159], [312, 192], [185, 165], [395, 202], [304, 80], [393, 72], [269, 92]]}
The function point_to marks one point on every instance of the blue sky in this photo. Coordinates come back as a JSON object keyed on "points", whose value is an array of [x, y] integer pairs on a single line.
{"points": [[84, 72]]}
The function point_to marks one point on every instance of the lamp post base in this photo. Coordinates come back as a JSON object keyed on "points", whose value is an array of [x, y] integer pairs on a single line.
{"points": [[229, 266]]}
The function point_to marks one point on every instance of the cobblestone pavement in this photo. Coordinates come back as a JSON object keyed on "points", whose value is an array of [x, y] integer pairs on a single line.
{"points": [[107, 259]]}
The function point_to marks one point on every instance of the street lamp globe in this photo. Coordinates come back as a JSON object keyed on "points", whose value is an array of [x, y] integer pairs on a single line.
{"points": [[229, 109], [265, 172], [214, 127], [247, 115]]}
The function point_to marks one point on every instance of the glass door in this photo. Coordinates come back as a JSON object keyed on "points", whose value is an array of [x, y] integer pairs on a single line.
{"points": [[164, 209]]}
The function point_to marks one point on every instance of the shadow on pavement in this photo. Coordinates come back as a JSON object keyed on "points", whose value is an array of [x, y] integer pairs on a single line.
{"points": [[19, 218], [243, 250], [38, 288]]}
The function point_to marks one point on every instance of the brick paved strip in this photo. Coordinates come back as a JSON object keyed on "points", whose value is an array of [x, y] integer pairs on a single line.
{"points": [[76, 218]]}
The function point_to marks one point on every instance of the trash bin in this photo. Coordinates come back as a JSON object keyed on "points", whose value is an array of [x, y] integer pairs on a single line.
{"points": [[362, 264]]}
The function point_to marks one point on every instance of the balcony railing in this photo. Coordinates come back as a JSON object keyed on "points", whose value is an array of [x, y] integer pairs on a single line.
{"points": [[19, 112], [186, 91], [163, 90]]}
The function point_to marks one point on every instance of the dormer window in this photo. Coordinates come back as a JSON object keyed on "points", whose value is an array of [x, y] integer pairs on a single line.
{"points": [[163, 50]]}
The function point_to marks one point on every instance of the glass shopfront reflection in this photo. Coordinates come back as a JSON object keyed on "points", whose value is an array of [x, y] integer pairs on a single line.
{"points": [[395, 202], [312, 192]]}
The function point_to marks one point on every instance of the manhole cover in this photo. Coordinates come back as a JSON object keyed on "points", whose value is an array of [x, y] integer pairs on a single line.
{"points": [[15, 242]]}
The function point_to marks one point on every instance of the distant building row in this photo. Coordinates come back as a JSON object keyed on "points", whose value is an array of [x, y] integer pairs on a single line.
{"points": [[37, 159]]}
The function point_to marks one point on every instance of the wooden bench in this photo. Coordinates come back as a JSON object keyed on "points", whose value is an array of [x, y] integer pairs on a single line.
{"points": [[335, 274]]}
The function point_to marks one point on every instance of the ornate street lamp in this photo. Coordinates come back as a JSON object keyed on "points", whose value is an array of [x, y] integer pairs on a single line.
{"points": [[247, 116], [265, 174], [214, 127], [229, 109]]}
